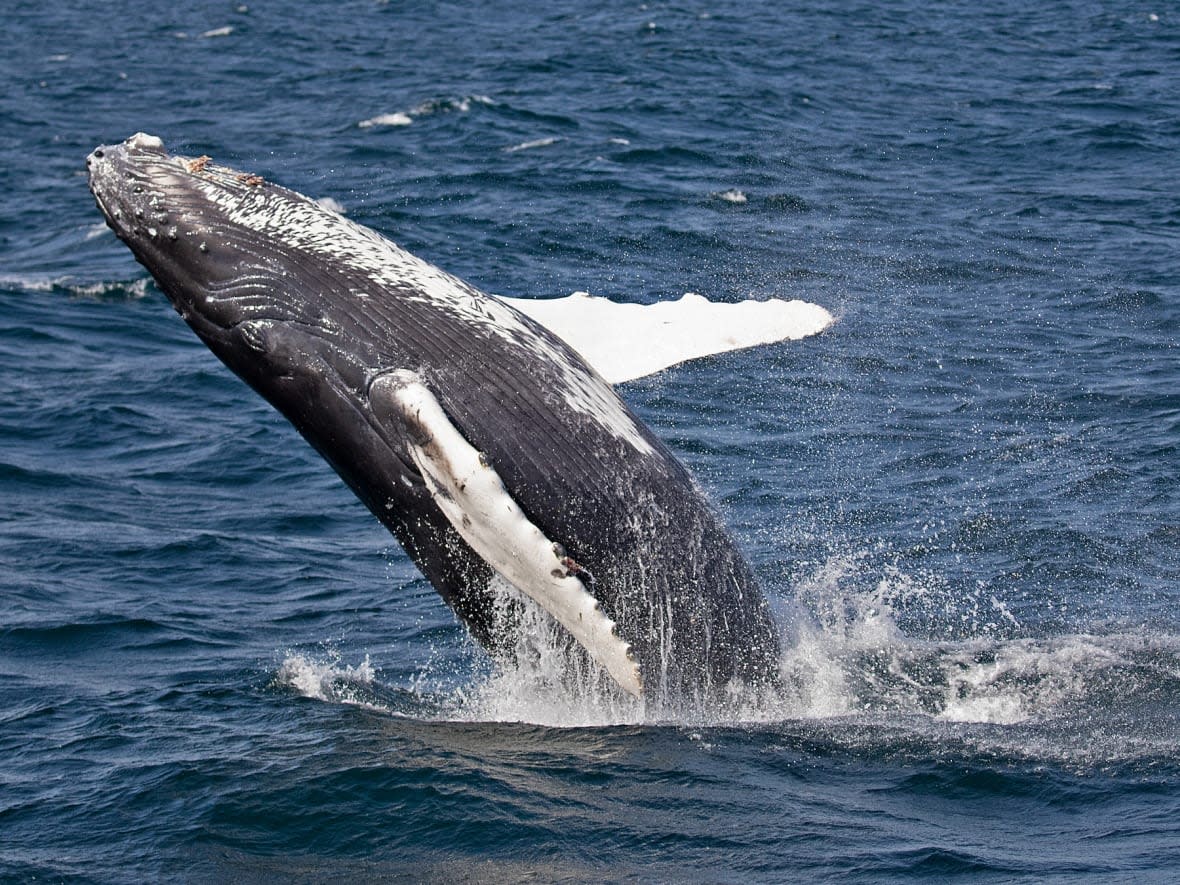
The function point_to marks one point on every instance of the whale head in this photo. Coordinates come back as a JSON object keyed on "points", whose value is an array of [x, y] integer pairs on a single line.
{"points": [[207, 234], [155, 204]]}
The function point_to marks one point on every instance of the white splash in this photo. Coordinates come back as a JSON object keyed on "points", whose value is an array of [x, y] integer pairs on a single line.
{"points": [[445, 105], [394, 119], [848, 668], [733, 195], [850, 657], [325, 679], [544, 679], [144, 142]]}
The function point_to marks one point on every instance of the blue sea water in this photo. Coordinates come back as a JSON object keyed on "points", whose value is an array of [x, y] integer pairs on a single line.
{"points": [[961, 498]]}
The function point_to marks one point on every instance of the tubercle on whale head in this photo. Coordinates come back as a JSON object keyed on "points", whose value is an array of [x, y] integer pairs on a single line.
{"points": [[225, 278], [148, 202], [169, 210]]}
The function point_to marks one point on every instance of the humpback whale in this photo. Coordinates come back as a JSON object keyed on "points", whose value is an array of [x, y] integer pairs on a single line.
{"points": [[491, 450]]}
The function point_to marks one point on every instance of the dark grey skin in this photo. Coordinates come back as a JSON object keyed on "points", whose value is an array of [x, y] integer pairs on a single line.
{"points": [[310, 327]]}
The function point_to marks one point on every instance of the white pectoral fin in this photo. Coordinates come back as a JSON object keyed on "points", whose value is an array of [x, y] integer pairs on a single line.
{"points": [[627, 341], [472, 496]]}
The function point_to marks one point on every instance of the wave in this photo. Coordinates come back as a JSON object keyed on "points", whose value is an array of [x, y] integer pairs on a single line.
{"points": [[461, 104], [394, 119], [103, 290], [532, 144]]}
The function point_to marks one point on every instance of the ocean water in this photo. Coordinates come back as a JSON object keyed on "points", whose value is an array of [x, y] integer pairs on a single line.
{"points": [[961, 498]]}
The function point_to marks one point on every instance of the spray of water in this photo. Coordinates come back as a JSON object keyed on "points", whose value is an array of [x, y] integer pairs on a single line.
{"points": [[845, 659], [326, 678]]}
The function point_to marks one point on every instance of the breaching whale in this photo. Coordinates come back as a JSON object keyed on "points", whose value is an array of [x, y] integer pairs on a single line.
{"points": [[492, 451]]}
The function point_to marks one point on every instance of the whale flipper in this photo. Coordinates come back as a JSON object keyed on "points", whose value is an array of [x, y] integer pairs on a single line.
{"points": [[624, 341], [469, 492]]}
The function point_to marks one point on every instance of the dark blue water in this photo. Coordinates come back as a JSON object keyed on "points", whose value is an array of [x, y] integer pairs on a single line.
{"points": [[962, 497]]}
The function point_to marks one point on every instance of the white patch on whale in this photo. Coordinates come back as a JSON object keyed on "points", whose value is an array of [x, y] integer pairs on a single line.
{"points": [[144, 142], [472, 496]]}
